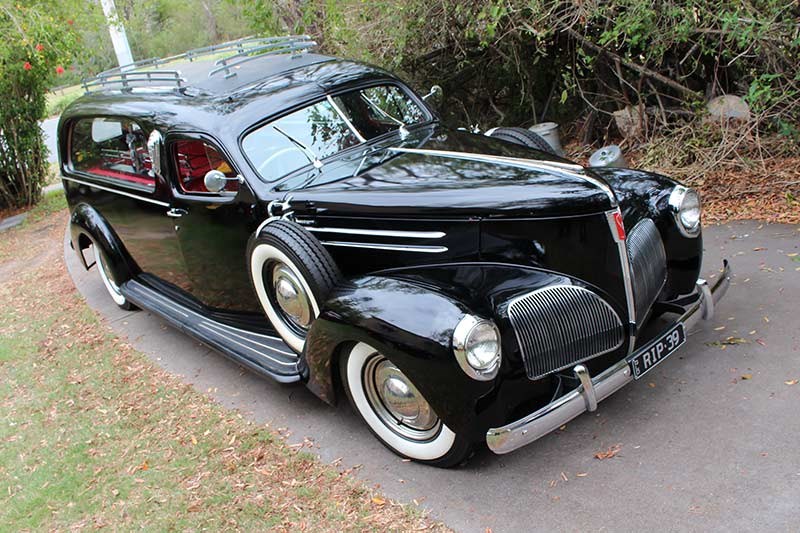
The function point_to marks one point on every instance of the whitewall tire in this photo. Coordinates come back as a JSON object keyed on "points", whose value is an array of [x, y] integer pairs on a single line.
{"points": [[108, 279], [368, 377]]}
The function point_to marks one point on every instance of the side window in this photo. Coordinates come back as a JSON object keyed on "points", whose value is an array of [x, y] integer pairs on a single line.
{"points": [[112, 148], [193, 159]]}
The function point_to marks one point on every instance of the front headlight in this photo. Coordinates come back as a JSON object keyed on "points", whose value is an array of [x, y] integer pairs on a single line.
{"points": [[686, 209], [476, 344]]}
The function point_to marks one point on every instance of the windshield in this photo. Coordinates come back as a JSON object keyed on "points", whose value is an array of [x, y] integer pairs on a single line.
{"points": [[327, 127]]}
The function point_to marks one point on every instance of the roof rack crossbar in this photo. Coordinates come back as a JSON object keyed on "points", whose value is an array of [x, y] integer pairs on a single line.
{"points": [[295, 46], [130, 80]]}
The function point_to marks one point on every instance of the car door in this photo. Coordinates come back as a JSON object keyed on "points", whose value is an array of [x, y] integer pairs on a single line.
{"points": [[108, 158], [213, 227]]}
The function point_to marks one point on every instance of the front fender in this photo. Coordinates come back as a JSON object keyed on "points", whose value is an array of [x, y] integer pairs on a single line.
{"points": [[87, 226], [409, 316]]}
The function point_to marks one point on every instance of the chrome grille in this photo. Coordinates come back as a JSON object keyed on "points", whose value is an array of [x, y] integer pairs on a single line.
{"points": [[561, 326], [648, 264]]}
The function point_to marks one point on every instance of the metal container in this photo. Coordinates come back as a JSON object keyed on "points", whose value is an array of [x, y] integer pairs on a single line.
{"points": [[608, 156], [549, 132]]}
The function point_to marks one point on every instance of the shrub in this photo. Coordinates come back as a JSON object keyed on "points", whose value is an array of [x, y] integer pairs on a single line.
{"points": [[35, 46]]}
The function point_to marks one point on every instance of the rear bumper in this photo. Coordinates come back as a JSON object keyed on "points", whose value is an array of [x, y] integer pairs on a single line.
{"points": [[557, 413]]}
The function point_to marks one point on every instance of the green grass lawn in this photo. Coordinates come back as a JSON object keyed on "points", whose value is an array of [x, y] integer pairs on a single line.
{"points": [[93, 434], [57, 101]]}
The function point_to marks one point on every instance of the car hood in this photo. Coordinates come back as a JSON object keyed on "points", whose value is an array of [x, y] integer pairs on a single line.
{"points": [[436, 172]]}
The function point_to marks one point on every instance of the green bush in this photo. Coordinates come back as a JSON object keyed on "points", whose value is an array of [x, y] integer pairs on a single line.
{"points": [[37, 42], [517, 62]]}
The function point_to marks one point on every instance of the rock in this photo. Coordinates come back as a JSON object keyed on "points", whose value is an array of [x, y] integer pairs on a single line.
{"points": [[10, 222], [629, 121], [728, 106]]}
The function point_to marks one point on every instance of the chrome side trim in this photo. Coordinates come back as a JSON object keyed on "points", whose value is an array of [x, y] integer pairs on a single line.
{"points": [[508, 438], [346, 120], [567, 169], [391, 247], [116, 191], [380, 232], [622, 250]]}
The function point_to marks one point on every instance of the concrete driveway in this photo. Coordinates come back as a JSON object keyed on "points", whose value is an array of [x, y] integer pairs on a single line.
{"points": [[708, 440], [49, 131]]}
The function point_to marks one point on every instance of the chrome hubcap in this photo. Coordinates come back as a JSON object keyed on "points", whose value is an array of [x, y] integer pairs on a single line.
{"points": [[290, 296], [397, 402]]}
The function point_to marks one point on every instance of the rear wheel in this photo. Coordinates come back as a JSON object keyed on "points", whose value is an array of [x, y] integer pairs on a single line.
{"points": [[112, 286], [396, 412], [523, 137]]}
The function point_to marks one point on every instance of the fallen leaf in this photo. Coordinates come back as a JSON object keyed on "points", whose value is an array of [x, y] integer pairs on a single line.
{"points": [[564, 476], [378, 501], [581, 474], [759, 249], [719, 328], [651, 385], [608, 454], [747, 376], [791, 382]]}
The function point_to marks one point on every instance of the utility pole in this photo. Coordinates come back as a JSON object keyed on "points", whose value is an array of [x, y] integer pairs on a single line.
{"points": [[117, 31]]}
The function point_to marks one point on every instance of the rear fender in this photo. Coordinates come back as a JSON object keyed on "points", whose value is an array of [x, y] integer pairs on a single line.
{"points": [[88, 227]]}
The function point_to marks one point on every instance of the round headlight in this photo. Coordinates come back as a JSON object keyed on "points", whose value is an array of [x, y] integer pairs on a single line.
{"points": [[686, 208], [476, 343]]}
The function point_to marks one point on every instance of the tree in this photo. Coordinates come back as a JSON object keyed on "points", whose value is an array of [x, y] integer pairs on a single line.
{"points": [[39, 40]]}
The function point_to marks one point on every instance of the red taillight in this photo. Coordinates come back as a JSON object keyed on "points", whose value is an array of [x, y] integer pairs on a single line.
{"points": [[620, 225]]}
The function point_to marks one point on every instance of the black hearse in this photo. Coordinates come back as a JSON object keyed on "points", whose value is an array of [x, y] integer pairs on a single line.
{"points": [[310, 218]]}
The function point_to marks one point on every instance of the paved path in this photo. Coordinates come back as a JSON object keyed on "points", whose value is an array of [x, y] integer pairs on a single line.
{"points": [[702, 447], [49, 130]]}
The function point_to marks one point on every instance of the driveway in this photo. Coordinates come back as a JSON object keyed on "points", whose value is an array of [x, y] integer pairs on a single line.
{"points": [[709, 440], [49, 130]]}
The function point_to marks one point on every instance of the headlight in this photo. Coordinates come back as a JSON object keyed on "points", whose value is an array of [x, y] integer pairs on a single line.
{"points": [[476, 343], [685, 205]]}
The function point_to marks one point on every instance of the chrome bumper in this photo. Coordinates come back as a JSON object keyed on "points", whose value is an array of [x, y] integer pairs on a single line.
{"points": [[592, 390]]}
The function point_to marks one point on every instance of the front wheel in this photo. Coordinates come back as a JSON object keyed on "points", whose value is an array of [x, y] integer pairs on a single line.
{"points": [[396, 412]]}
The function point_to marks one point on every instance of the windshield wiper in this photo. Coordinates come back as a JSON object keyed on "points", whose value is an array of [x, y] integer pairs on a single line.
{"points": [[403, 129], [312, 157]]}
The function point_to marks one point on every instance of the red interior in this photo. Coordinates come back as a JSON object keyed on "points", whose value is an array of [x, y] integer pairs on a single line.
{"points": [[194, 159], [124, 176]]}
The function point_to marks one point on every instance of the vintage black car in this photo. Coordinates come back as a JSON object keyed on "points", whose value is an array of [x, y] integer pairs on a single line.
{"points": [[310, 218]]}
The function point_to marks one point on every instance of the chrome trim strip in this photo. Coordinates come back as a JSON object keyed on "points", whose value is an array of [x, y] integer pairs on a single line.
{"points": [[512, 436], [381, 232], [221, 331], [622, 250], [246, 347], [115, 191], [346, 120], [567, 169], [390, 247]]}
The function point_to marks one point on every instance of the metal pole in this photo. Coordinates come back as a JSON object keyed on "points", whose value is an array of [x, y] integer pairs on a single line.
{"points": [[117, 31]]}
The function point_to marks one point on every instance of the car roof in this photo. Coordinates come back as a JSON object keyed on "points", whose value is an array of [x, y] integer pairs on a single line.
{"points": [[262, 87]]}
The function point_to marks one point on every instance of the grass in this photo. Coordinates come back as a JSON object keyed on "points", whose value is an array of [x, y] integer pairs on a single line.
{"points": [[93, 434], [57, 101]]}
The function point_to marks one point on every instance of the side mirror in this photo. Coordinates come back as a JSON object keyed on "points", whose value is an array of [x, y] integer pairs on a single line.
{"points": [[154, 145], [435, 94], [215, 180]]}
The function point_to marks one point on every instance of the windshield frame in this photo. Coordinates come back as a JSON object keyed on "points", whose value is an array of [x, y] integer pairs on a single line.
{"points": [[429, 117]]}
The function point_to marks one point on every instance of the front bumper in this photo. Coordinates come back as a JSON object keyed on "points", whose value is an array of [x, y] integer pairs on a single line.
{"points": [[592, 390]]}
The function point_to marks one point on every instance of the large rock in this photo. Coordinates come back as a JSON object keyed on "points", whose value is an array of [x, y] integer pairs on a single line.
{"points": [[629, 121], [727, 107]]}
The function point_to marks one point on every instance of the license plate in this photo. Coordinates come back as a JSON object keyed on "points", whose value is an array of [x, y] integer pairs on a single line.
{"points": [[657, 351]]}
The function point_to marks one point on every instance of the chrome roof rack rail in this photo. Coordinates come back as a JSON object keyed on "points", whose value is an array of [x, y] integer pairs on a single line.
{"points": [[255, 48], [161, 79], [149, 62]]}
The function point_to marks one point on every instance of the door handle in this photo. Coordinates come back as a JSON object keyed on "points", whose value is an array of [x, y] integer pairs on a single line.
{"points": [[176, 212]]}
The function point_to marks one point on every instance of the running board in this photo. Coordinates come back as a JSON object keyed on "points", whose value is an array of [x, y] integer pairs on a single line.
{"points": [[263, 353]]}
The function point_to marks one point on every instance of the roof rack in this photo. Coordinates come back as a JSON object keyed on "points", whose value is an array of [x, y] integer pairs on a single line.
{"points": [[253, 48], [129, 80], [245, 49]]}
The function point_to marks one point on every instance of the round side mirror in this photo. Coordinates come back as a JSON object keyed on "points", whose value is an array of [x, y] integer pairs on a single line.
{"points": [[435, 95], [215, 181]]}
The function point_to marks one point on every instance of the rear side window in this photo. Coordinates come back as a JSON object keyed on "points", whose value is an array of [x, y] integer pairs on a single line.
{"points": [[113, 149], [194, 159]]}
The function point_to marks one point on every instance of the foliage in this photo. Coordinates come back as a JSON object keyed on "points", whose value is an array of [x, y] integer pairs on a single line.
{"points": [[38, 42], [517, 62]]}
